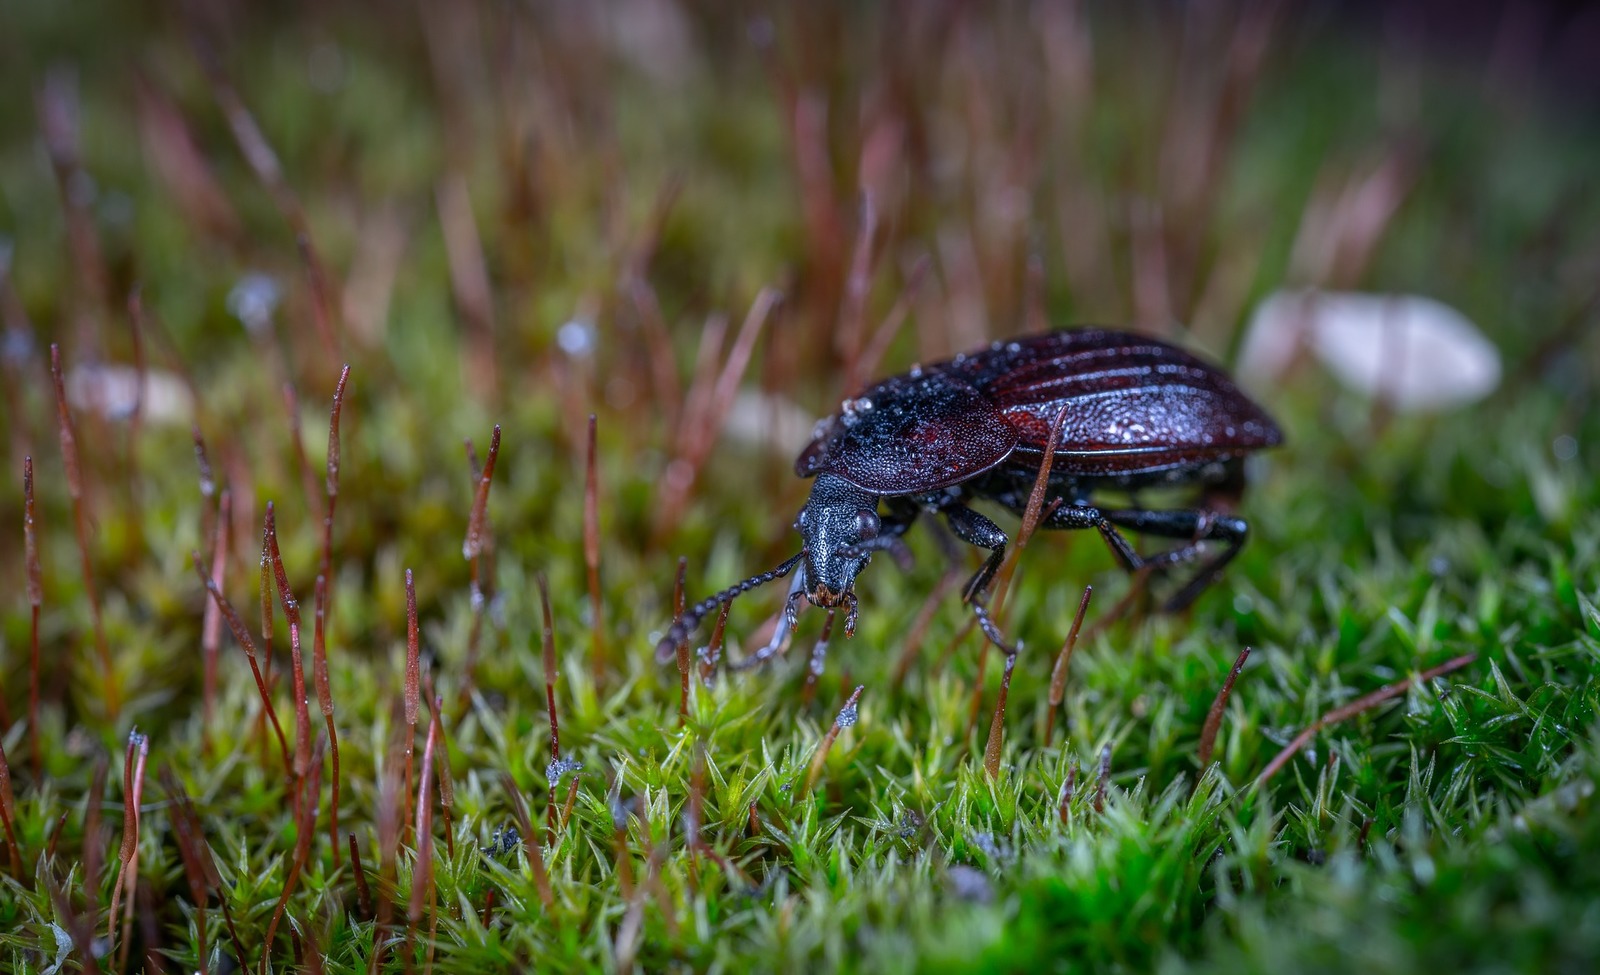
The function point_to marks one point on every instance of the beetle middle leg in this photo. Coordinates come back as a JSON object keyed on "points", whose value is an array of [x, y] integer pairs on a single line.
{"points": [[975, 529], [1192, 525]]}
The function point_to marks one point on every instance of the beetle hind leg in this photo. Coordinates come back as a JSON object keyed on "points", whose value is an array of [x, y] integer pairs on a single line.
{"points": [[1194, 526]]}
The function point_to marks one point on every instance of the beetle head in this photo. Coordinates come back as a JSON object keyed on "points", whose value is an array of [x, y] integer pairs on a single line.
{"points": [[838, 519]]}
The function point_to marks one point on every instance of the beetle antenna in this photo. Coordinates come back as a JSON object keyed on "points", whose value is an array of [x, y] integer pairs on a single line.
{"points": [[685, 624]]}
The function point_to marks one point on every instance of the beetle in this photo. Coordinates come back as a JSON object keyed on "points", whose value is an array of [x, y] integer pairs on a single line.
{"points": [[1136, 412]]}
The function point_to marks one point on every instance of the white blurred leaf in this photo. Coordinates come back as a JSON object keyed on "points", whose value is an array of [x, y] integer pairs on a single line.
{"points": [[112, 392], [1415, 353]]}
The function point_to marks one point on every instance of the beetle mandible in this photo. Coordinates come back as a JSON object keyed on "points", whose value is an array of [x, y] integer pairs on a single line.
{"points": [[1138, 413]]}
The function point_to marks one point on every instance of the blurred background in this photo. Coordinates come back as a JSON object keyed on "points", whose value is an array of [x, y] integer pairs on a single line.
{"points": [[707, 222]]}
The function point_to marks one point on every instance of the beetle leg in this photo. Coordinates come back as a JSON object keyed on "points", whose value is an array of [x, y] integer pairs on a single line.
{"points": [[975, 529], [1077, 516], [1195, 526], [1192, 525], [819, 656], [992, 631]]}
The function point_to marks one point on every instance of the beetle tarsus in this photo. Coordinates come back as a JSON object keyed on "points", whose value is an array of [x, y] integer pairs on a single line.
{"points": [[992, 632]]}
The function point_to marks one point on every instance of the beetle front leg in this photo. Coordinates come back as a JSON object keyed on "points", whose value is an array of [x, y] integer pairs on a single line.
{"points": [[975, 529]]}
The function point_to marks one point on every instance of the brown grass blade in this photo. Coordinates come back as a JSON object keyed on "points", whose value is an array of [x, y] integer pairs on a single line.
{"points": [[1208, 732], [80, 519], [1058, 676], [413, 685], [319, 666], [211, 622], [591, 554], [997, 724], [331, 481], [1364, 703], [128, 855], [35, 588], [242, 635]]}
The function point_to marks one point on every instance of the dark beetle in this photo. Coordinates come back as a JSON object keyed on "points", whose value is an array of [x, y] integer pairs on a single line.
{"points": [[1137, 413]]}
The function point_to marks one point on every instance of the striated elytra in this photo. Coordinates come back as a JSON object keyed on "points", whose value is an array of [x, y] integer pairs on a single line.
{"points": [[1136, 412]]}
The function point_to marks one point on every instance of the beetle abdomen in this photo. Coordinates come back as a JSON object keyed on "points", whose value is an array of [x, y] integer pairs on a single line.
{"points": [[1133, 404]]}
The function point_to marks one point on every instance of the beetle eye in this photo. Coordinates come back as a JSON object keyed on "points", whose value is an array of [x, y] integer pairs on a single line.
{"points": [[866, 524]]}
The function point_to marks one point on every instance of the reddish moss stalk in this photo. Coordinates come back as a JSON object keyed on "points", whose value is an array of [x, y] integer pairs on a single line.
{"points": [[572, 798], [997, 724], [1360, 704], [530, 841], [331, 482], [189, 852], [852, 311], [35, 584], [707, 404], [1032, 513], [258, 153], [80, 519], [1058, 676], [1208, 733], [683, 645], [422, 874], [211, 624], [847, 717], [1103, 779], [663, 374], [708, 667], [319, 666], [127, 873], [308, 482], [548, 636], [8, 815], [472, 549], [136, 414], [242, 635], [208, 481], [1069, 786], [441, 768], [264, 592], [878, 346], [305, 826], [389, 830], [297, 673], [199, 865], [413, 686], [591, 554], [480, 501], [363, 892], [79, 926], [94, 837]]}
